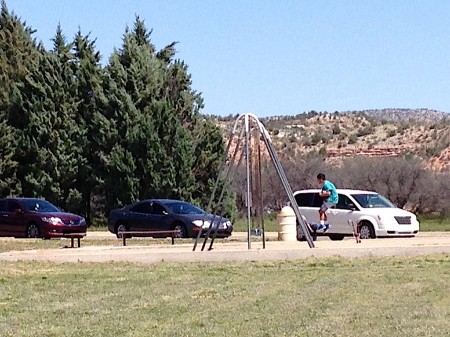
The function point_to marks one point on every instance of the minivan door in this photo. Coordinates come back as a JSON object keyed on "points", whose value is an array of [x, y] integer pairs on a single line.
{"points": [[338, 217], [305, 202]]}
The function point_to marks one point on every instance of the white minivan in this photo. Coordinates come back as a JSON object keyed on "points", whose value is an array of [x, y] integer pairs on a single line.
{"points": [[375, 215]]}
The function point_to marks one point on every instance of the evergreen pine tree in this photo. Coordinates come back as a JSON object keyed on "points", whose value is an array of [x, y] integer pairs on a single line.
{"points": [[89, 118], [18, 52]]}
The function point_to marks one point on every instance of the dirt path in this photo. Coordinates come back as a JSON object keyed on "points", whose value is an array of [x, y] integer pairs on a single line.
{"points": [[423, 244]]}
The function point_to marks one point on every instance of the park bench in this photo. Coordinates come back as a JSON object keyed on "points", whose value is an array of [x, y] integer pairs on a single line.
{"points": [[72, 237], [128, 234]]}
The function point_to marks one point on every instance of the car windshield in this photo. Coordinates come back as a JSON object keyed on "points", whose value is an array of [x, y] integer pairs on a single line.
{"points": [[373, 201], [183, 208], [41, 206]]}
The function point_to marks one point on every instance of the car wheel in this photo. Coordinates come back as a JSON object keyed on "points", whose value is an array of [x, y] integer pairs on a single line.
{"points": [[336, 237], [33, 231], [366, 231], [120, 228], [183, 231]]}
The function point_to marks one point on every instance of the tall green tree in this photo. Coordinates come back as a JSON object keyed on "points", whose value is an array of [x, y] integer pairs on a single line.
{"points": [[47, 152], [149, 134], [168, 147], [79, 134], [91, 120], [18, 52]]}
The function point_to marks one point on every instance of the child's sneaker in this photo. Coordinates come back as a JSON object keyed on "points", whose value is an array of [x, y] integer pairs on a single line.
{"points": [[326, 227]]}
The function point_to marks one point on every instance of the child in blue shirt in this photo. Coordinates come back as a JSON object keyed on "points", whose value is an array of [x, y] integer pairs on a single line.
{"points": [[330, 199]]}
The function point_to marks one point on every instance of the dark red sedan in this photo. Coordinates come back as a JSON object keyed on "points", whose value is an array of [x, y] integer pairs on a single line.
{"points": [[37, 218]]}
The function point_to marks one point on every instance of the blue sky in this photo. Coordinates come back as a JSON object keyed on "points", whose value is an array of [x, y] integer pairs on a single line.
{"points": [[280, 57]]}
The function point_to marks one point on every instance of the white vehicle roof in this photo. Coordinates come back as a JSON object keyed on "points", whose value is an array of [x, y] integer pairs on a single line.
{"points": [[339, 190]]}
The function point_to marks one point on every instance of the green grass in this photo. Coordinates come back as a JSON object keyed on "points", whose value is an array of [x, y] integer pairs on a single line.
{"points": [[270, 225], [314, 297], [430, 223]]}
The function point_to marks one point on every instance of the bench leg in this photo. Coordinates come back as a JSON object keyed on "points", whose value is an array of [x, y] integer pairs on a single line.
{"points": [[173, 240], [79, 242], [71, 243], [124, 238]]}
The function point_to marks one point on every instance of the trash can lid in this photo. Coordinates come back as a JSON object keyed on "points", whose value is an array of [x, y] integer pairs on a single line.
{"points": [[287, 211]]}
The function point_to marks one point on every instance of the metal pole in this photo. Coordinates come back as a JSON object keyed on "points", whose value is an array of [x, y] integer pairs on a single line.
{"points": [[287, 187], [247, 161], [232, 172], [261, 196], [216, 184]]}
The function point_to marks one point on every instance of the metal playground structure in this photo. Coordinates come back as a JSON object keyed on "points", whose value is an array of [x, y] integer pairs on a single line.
{"points": [[245, 143]]}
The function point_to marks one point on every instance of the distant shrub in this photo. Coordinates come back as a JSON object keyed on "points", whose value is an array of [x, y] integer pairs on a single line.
{"points": [[432, 151], [324, 138], [401, 129], [367, 130], [342, 136], [391, 133], [336, 129], [352, 139], [306, 141], [315, 139]]}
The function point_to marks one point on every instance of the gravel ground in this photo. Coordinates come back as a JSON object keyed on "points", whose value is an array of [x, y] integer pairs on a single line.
{"points": [[423, 244]]}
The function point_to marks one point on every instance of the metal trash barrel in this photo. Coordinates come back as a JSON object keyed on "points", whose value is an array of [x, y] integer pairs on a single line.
{"points": [[287, 224]]}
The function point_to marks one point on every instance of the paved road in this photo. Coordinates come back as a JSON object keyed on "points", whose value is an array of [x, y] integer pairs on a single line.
{"points": [[423, 244]]}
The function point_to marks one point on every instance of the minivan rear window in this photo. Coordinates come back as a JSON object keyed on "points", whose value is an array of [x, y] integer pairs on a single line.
{"points": [[304, 199], [308, 200]]}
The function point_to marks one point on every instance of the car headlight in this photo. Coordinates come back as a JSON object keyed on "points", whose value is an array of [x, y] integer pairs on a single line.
{"points": [[53, 220], [227, 224], [200, 223]]}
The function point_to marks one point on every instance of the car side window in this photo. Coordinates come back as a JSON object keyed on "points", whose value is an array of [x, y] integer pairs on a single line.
{"points": [[143, 207], [3, 205], [344, 202], [12, 206], [304, 199], [317, 200], [158, 209]]}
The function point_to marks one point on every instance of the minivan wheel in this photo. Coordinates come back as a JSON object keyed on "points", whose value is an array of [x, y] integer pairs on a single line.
{"points": [[366, 231], [183, 231], [120, 228], [33, 231]]}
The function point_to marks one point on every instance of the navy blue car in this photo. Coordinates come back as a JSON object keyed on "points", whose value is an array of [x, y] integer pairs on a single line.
{"points": [[166, 214]]}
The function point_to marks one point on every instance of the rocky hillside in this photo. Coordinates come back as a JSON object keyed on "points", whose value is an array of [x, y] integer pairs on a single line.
{"points": [[376, 133]]}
